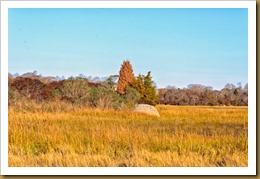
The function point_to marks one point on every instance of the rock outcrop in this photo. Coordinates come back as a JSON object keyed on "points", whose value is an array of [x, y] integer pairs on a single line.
{"points": [[147, 109]]}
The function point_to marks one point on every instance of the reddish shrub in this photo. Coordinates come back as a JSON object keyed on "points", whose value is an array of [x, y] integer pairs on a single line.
{"points": [[32, 88]]}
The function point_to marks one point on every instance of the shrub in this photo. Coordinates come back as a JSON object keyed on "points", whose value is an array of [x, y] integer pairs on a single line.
{"points": [[131, 98], [101, 97], [11, 93], [32, 88], [73, 90], [14, 96]]}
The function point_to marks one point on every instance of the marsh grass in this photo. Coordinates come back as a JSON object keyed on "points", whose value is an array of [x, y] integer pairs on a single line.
{"points": [[182, 136]]}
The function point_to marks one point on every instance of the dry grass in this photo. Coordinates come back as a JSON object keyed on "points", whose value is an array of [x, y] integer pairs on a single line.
{"points": [[182, 136]]}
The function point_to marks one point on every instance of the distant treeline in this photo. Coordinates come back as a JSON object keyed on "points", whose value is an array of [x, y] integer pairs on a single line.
{"points": [[103, 94], [196, 94]]}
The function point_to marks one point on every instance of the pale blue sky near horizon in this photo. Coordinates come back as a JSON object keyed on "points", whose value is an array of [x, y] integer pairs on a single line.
{"points": [[179, 46]]}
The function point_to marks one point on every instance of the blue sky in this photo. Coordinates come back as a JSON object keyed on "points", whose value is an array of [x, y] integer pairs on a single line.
{"points": [[179, 46]]}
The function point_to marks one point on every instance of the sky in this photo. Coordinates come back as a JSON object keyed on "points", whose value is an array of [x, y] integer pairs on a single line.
{"points": [[179, 46]]}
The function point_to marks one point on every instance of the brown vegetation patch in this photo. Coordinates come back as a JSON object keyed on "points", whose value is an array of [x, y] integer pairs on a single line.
{"points": [[32, 88]]}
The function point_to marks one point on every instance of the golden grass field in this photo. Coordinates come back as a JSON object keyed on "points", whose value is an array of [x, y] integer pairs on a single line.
{"points": [[182, 136]]}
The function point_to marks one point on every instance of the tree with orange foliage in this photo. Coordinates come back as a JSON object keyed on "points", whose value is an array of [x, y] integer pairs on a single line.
{"points": [[126, 76]]}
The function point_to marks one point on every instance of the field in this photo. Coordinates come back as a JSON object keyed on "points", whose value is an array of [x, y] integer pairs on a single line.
{"points": [[182, 136]]}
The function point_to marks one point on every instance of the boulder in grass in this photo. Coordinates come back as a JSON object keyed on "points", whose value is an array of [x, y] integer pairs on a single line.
{"points": [[147, 109]]}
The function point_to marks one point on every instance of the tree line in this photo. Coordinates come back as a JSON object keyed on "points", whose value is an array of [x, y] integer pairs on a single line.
{"points": [[196, 94], [118, 91]]}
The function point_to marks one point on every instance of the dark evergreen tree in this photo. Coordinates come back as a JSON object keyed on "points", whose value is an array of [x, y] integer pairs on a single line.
{"points": [[150, 95], [138, 84], [144, 85]]}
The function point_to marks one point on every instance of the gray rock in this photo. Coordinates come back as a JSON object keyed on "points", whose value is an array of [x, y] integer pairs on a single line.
{"points": [[147, 109]]}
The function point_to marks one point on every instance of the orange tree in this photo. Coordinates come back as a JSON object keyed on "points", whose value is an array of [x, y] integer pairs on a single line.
{"points": [[126, 76]]}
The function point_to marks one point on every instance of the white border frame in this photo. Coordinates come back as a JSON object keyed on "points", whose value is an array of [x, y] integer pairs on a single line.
{"points": [[250, 170]]}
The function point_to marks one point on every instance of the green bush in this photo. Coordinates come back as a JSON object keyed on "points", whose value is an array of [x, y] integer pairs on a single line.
{"points": [[14, 96], [74, 90], [131, 98], [101, 97], [11, 94]]}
